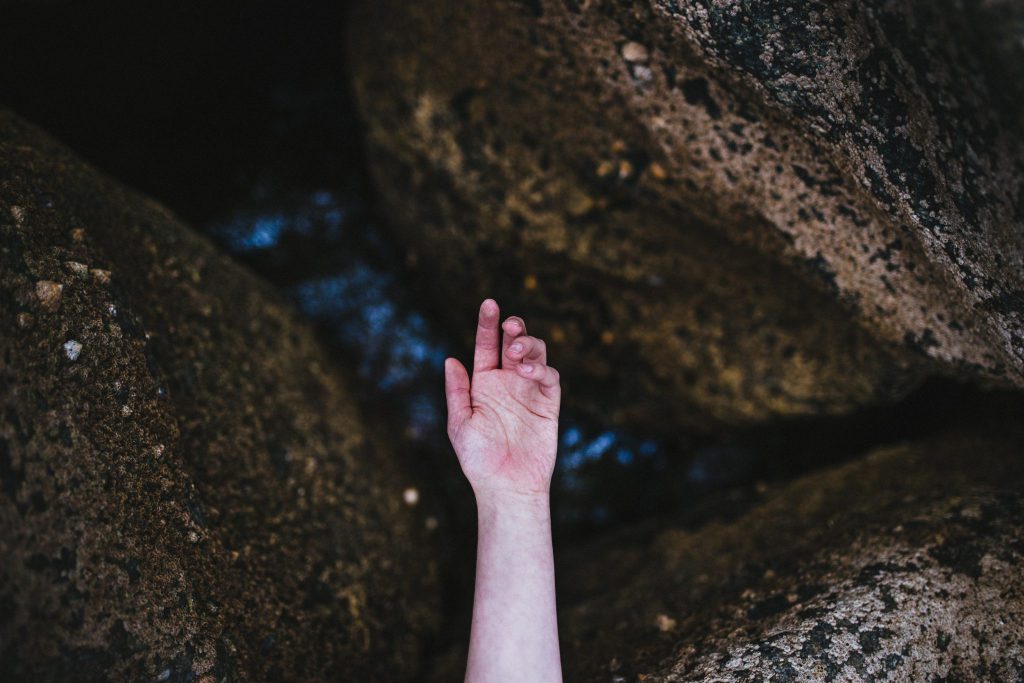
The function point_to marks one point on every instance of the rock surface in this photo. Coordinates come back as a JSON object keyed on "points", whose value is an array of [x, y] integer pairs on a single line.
{"points": [[187, 491], [904, 565], [783, 208]]}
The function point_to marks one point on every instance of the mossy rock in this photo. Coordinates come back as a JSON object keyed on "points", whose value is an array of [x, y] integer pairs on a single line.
{"points": [[188, 491]]}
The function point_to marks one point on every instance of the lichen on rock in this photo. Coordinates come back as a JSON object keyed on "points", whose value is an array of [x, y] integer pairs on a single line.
{"points": [[187, 491]]}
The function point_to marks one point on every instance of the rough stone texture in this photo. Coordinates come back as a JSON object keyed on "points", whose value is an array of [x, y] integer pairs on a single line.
{"points": [[903, 565], [744, 209], [186, 491]]}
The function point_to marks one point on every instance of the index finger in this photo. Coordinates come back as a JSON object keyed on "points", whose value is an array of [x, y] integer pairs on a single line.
{"points": [[488, 340]]}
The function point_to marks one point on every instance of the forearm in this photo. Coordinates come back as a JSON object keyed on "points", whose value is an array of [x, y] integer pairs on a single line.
{"points": [[515, 632]]}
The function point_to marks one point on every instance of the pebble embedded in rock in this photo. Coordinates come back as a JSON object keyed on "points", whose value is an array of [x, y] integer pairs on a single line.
{"points": [[49, 294], [101, 276], [665, 623], [634, 52], [72, 349], [79, 269]]}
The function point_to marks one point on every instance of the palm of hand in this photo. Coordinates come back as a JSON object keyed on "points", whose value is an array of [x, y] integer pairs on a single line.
{"points": [[504, 426], [511, 439]]}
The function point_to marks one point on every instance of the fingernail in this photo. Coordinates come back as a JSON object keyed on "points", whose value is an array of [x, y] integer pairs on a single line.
{"points": [[527, 368], [516, 348]]}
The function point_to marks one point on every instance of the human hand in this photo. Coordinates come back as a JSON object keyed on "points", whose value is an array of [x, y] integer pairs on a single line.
{"points": [[504, 425]]}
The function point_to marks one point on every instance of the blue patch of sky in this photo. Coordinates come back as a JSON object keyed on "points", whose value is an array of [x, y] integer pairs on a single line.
{"points": [[261, 232], [256, 228], [396, 344], [359, 304], [577, 449]]}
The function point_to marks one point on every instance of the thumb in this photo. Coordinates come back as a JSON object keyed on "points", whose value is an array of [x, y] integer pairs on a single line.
{"points": [[456, 391]]}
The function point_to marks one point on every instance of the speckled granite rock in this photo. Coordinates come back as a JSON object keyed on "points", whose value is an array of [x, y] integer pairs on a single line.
{"points": [[904, 565], [783, 208], [187, 491]]}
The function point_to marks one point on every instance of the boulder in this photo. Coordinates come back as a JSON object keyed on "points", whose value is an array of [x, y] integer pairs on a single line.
{"points": [[726, 211], [902, 565], [188, 491]]}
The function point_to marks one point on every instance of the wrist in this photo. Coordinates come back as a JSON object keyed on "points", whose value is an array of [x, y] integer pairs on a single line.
{"points": [[523, 505]]}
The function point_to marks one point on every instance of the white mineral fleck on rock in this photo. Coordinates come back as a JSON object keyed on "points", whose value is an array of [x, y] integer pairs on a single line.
{"points": [[411, 496], [72, 349], [642, 73]]}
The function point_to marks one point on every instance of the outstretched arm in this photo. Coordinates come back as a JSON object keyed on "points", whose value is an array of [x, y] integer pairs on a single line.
{"points": [[504, 427]]}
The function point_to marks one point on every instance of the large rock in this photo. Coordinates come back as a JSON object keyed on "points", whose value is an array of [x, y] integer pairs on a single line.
{"points": [[188, 493], [903, 565], [726, 209]]}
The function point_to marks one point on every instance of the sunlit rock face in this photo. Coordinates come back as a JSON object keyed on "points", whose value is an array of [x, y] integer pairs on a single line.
{"points": [[188, 492], [729, 211]]}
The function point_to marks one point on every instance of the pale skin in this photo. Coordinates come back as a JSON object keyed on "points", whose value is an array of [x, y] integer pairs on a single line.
{"points": [[504, 426]]}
